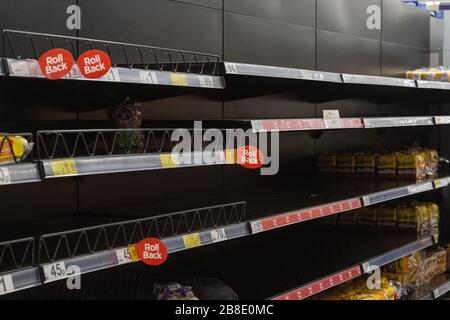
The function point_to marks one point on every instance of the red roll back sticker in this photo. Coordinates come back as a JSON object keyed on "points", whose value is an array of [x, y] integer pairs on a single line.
{"points": [[56, 63], [152, 251], [94, 64], [250, 157]]}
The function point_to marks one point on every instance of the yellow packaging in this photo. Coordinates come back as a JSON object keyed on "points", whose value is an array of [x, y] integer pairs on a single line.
{"points": [[386, 218], [413, 218], [13, 146], [406, 270], [411, 165], [386, 165], [327, 164], [433, 211], [414, 74], [432, 159], [365, 165], [345, 165]]}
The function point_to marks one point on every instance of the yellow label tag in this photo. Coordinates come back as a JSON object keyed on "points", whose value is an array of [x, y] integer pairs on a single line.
{"points": [[178, 79], [230, 156], [64, 167], [192, 240], [133, 254], [168, 160]]}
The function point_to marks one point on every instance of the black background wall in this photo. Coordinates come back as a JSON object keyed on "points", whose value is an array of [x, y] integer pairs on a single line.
{"points": [[310, 34]]}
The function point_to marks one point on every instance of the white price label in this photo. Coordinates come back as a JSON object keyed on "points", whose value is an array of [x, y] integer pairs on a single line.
{"points": [[6, 284], [124, 256], [148, 77], [218, 235], [420, 188], [4, 176], [112, 75], [231, 68], [442, 120], [332, 119], [256, 226], [55, 271], [206, 82]]}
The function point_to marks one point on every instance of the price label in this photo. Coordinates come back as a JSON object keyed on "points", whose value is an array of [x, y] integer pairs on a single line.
{"points": [[440, 183], [231, 68], [64, 167], [420, 188], [206, 82], [148, 77], [127, 255], [6, 284], [218, 235], [442, 120], [4, 176], [179, 79], [332, 119], [169, 160], [192, 240], [55, 271], [230, 156], [256, 226]]}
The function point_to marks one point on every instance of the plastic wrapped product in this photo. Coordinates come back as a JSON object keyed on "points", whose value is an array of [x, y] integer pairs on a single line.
{"points": [[415, 74], [327, 165], [433, 211], [411, 165], [386, 164], [365, 165], [14, 146], [405, 271], [415, 218], [386, 218], [432, 160], [174, 291], [448, 257], [345, 165]]}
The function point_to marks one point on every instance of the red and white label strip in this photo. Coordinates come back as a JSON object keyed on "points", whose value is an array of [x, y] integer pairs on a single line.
{"points": [[303, 215], [302, 124], [321, 285]]}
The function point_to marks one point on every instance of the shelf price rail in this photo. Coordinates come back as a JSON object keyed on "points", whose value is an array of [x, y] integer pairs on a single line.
{"points": [[106, 246], [131, 63]]}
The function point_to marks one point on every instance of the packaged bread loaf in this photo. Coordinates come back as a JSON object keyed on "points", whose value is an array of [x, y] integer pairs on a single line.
{"points": [[411, 165], [367, 218], [387, 218], [327, 165], [386, 165], [414, 218], [365, 165], [345, 165], [13, 149]]}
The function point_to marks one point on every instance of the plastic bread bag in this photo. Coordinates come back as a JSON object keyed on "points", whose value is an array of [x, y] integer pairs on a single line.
{"points": [[174, 291], [14, 149]]}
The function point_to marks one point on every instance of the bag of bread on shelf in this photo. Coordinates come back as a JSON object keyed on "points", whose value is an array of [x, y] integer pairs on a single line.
{"points": [[386, 218], [405, 271], [433, 211], [367, 218], [345, 165], [14, 148], [413, 218], [432, 158], [411, 165], [327, 165], [415, 74], [365, 165], [434, 264], [447, 250], [386, 164]]}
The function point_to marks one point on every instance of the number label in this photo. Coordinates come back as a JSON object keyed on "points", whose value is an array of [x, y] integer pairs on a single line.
{"points": [[148, 77], [55, 271], [4, 176], [218, 235], [192, 240], [126, 255], [64, 167], [6, 284], [206, 82]]}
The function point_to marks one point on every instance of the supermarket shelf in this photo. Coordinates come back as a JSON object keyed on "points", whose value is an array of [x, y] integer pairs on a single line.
{"points": [[280, 72], [433, 290], [325, 283], [30, 69], [433, 85], [378, 81], [309, 124], [19, 173]]}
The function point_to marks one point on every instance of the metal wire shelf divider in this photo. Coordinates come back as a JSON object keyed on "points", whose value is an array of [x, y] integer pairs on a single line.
{"points": [[162, 59], [69, 244], [11, 259], [54, 144]]}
